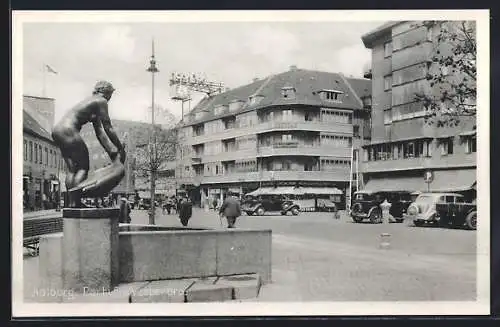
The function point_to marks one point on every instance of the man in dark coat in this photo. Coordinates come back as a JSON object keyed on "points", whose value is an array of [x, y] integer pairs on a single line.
{"points": [[185, 209], [230, 209]]}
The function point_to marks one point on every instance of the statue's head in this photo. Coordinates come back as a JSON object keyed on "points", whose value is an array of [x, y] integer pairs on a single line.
{"points": [[105, 88]]}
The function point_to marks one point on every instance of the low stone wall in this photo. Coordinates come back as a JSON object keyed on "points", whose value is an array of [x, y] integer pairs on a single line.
{"points": [[149, 253]]}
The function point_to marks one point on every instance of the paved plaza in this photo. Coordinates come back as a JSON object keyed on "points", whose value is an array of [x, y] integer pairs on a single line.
{"points": [[318, 258]]}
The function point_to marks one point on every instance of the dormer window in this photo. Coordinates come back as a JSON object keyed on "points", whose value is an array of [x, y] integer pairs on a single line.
{"points": [[288, 92], [220, 109], [332, 95], [255, 99], [235, 105], [199, 115]]}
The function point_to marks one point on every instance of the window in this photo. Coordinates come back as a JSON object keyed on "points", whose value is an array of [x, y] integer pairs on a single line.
{"points": [[387, 82], [40, 154], [36, 153], [387, 49], [387, 116], [470, 145], [449, 199], [447, 146], [31, 151], [286, 137], [287, 115], [25, 150], [288, 92], [429, 34], [219, 109], [335, 96], [355, 130], [235, 105]]}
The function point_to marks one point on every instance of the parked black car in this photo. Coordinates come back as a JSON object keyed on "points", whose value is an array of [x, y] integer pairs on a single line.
{"points": [[366, 205], [269, 203]]}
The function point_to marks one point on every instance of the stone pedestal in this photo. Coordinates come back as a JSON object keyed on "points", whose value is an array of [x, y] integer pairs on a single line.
{"points": [[90, 249]]}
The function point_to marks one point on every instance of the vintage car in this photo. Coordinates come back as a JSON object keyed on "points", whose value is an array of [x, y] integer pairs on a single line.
{"points": [[261, 204], [443, 208], [366, 205], [457, 212]]}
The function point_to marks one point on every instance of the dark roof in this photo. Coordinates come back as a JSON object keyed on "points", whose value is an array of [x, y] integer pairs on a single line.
{"points": [[307, 84], [30, 125], [362, 86]]}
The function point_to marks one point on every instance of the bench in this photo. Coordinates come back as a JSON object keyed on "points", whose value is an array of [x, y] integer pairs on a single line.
{"points": [[33, 228]]}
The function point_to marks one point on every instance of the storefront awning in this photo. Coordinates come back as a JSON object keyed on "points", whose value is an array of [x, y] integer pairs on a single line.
{"points": [[453, 180], [323, 190], [444, 181], [396, 184]]}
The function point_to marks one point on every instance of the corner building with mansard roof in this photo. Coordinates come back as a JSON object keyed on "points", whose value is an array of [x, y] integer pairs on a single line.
{"points": [[296, 128]]}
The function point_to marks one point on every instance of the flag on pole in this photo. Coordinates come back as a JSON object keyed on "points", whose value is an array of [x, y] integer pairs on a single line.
{"points": [[50, 69]]}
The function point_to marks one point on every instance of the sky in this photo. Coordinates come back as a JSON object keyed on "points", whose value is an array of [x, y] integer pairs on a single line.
{"points": [[230, 52]]}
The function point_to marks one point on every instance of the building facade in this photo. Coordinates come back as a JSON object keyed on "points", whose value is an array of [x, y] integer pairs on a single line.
{"points": [[294, 128], [43, 167], [403, 145]]}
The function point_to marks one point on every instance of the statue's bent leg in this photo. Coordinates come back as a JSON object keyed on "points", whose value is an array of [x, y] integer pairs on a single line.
{"points": [[78, 156]]}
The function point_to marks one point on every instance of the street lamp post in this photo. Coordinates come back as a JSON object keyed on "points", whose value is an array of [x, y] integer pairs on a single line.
{"points": [[152, 69]]}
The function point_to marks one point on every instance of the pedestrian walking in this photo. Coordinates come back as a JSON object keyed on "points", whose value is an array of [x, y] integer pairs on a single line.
{"points": [[185, 209], [125, 209], [230, 209]]}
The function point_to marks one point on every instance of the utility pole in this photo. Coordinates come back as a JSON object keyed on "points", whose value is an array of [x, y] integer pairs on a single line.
{"points": [[153, 70]]}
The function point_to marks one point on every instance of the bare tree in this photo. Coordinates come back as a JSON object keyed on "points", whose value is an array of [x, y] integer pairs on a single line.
{"points": [[160, 148], [451, 73]]}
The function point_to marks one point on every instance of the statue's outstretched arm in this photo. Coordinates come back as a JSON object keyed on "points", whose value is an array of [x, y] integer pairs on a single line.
{"points": [[110, 132], [103, 139]]}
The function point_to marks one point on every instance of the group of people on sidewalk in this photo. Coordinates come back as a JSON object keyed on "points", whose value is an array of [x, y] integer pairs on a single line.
{"points": [[230, 208]]}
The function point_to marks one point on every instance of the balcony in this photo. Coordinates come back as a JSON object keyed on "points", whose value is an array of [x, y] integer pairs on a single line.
{"points": [[301, 149], [335, 175], [231, 155], [270, 126], [304, 125], [434, 162]]}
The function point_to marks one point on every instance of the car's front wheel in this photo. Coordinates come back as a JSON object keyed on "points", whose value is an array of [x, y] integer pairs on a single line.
{"points": [[471, 220], [260, 211], [295, 211], [375, 216]]}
